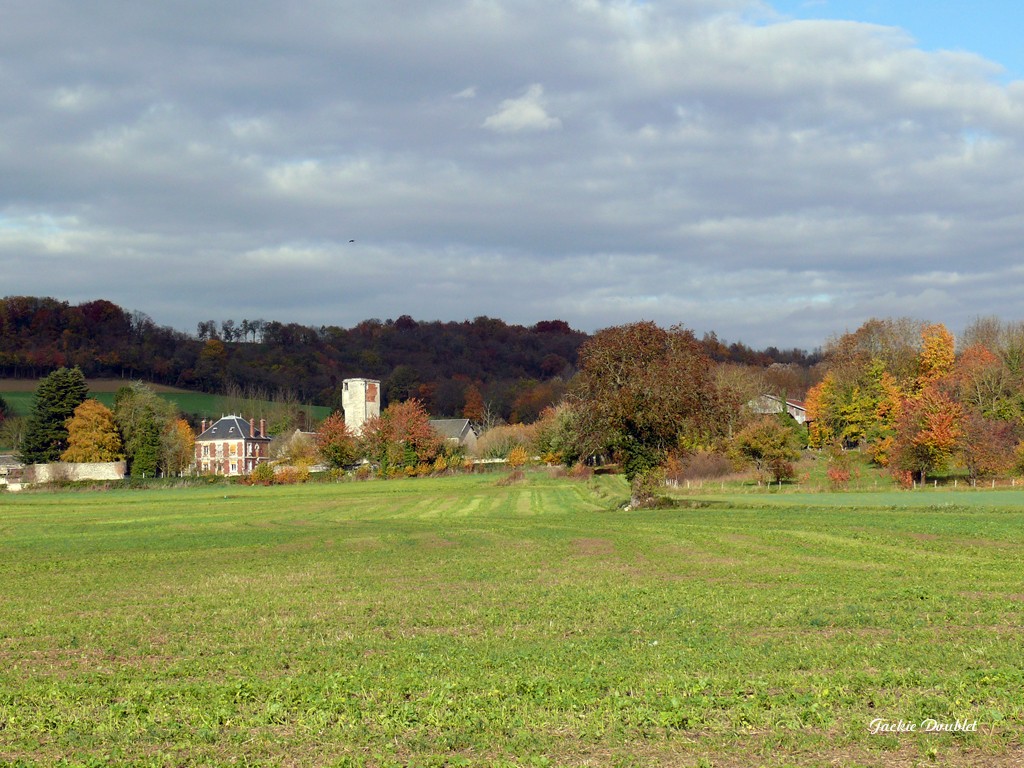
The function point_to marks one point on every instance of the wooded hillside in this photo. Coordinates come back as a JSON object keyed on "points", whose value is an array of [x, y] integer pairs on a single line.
{"points": [[518, 370]]}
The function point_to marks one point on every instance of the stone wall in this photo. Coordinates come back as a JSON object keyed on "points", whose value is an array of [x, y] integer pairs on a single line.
{"points": [[48, 473]]}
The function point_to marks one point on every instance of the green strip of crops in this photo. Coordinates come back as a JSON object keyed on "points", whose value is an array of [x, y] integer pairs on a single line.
{"points": [[454, 621]]}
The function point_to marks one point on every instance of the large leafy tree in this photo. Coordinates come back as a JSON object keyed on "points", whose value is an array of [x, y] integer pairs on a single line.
{"points": [[143, 417], [93, 434], [46, 436], [648, 391]]}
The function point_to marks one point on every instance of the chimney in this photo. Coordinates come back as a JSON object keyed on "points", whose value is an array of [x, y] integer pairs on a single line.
{"points": [[263, 427], [202, 428], [252, 427]]}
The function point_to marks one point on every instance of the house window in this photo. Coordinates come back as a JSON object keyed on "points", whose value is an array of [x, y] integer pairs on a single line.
{"points": [[206, 450]]}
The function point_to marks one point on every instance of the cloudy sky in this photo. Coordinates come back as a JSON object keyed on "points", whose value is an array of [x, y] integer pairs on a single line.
{"points": [[773, 173]]}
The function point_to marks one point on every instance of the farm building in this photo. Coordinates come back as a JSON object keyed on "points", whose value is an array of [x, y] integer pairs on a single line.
{"points": [[457, 431], [231, 446], [773, 404]]}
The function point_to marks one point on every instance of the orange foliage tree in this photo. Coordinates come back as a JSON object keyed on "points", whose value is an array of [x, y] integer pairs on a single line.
{"points": [[928, 432], [474, 408]]}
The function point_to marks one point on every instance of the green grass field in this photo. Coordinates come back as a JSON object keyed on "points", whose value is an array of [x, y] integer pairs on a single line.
{"points": [[450, 621], [19, 394]]}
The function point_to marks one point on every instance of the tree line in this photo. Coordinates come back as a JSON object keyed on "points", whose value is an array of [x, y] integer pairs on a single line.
{"points": [[511, 372], [918, 403]]}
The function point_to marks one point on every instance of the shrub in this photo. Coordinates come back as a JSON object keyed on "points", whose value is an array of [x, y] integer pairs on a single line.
{"points": [[498, 442], [645, 488], [903, 477], [291, 475], [518, 457], [770, 447], [581, 471], [700, 465], [839, 468], [262, 474]]}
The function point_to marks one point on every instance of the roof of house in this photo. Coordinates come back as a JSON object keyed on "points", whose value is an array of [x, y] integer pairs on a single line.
{"points": [[231, 428], [9, 460], [451, 428]]}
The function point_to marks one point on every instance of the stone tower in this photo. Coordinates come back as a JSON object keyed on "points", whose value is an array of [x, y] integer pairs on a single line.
{"points": [[360, 399]]}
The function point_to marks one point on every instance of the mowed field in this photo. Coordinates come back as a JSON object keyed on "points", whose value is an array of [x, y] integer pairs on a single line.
{"points": [[452, 621]]}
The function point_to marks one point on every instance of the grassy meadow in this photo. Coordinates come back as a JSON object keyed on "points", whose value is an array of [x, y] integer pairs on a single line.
{"points": [[20, 394], [457, 622]]}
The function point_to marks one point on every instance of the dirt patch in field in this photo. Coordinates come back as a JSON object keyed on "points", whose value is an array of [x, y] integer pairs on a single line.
{"points": [[923, 536], [592, 547], [363, 543], [433, 541]]}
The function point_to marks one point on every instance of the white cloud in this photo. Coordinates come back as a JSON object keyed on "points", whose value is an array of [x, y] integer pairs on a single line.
{"points": [[527, 113]]}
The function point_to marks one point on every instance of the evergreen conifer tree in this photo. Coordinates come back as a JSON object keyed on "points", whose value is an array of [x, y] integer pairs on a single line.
{"points": [[46, 436]]}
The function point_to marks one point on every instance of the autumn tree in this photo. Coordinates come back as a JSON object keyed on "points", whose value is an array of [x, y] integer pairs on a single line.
{"points": [[177, 447], [92, 434], [648, 391], [986, 385], [987, 445], [937, 355], [12, 430], [57, 397], [335, 444], [928, 432], [474, 407], [401, 437], [1003, 339], [770, 446], [738, 385]]}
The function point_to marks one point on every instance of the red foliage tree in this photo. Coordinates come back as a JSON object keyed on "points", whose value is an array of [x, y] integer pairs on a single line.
{"points": [[401, 437], [335, 444]]}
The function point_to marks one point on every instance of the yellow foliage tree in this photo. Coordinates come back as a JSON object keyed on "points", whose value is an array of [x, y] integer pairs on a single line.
{"points": [[92, 435], [937, 356]]}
